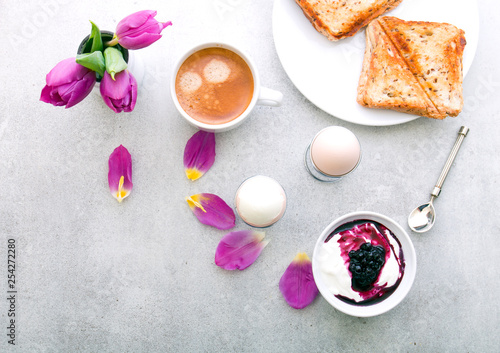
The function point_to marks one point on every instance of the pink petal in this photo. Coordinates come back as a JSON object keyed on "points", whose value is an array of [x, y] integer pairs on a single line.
{"points": [[238, 250], [211, 210], [120, 173], [81, 89], [199, 154], [297, 283], [134, 21], [66, 71], [141, 41]]}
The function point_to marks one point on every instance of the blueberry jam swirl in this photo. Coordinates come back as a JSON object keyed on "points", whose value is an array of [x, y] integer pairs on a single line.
{"points": [[371, 263], [365, 265]]}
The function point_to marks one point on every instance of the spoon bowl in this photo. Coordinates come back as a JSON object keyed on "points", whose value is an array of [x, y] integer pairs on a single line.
{"points": [[422, 218]]}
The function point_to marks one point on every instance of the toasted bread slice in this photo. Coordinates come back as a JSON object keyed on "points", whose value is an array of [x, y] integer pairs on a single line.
{"points": [[433, 52], [337, 19], [386, 82]]}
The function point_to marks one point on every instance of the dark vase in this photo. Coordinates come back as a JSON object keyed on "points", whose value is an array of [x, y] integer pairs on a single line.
{"points": [[106, 36]]}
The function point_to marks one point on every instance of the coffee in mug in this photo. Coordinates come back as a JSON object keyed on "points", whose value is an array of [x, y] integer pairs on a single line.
{"points": [[214, 85]]}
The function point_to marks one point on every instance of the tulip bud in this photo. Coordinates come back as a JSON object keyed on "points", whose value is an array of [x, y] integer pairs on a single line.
{"points": [[119, 94], [138, 30], [114, 61], [67, 84]]}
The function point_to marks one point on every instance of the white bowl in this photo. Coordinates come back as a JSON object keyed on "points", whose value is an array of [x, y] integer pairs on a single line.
{"points": [[404, 286]]}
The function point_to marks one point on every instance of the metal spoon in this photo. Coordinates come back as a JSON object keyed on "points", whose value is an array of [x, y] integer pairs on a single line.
{"points": [[422, 218]]}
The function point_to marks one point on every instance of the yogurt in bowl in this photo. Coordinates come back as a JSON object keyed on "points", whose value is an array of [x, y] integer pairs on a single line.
{"points": [[364, 264]]}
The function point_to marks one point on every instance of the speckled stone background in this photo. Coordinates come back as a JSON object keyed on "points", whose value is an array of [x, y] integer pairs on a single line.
{"points": [[93, 275]]}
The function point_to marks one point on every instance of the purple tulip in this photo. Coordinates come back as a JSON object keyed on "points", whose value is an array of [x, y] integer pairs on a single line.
{"points": [[139, 30], [68, 83], [119, 94]]}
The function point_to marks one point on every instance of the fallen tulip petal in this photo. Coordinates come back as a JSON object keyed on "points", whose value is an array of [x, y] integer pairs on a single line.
{"points": [[120, 173], [211, 210], [297, 283], [238, 250], [199, 154]]}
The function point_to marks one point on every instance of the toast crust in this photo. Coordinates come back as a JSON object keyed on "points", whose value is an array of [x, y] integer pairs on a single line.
{"points": [[413, 67], [338, 19], [433, 52], [386, 81]]}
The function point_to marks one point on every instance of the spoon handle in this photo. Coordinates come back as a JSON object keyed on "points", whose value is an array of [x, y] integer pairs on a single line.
{"points": [[460, 138]]}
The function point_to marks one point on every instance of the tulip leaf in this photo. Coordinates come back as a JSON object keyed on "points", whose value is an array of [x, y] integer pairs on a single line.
{"points": [[114, 61], [95, 37], [93, 61]]}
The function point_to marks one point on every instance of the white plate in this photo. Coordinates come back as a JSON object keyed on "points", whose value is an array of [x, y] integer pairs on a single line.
{"points": [[327, 73]]}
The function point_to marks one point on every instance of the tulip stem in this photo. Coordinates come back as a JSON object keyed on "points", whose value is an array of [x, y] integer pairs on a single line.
{"points": [[112, 42]]}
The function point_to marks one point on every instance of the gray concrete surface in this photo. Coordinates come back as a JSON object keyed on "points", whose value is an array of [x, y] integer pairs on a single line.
{"points": [[93, 275]]}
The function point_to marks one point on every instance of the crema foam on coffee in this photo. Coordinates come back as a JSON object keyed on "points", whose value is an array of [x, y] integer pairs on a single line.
{"points": [[214, 85]]}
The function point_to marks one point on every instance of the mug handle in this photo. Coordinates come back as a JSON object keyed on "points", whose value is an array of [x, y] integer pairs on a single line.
{"points": [[269, 97]]}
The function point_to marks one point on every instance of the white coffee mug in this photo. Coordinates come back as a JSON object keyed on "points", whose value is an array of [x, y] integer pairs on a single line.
{"points": [[261, 95]]}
